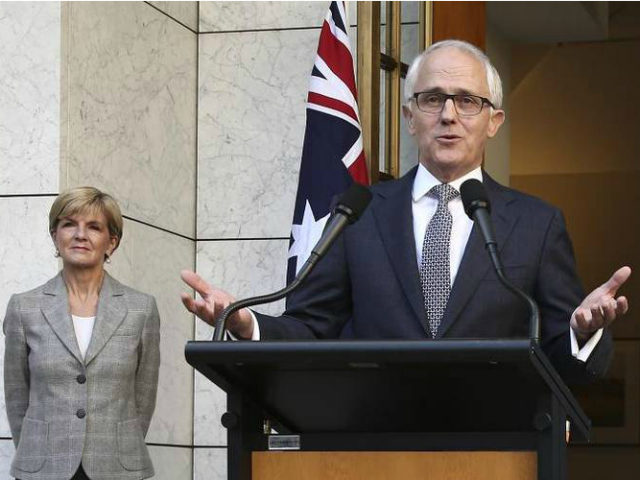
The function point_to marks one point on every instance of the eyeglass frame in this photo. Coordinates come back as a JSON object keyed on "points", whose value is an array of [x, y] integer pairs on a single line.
{"points": [[453, 96]]}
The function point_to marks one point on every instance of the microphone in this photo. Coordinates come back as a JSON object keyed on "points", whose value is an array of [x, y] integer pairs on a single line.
{"points": [[348, 209], [477, 207]]}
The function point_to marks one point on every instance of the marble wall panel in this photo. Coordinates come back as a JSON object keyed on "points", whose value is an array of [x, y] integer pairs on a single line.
{"points": [[231, 16], [210, 402], [131, 109], [150, 260], [352, 14], [210, 464], [6, 457], [172, 463], [253, 88], [243, 268], [26, 256], [184, 12], [30, 97], [26, 249]]}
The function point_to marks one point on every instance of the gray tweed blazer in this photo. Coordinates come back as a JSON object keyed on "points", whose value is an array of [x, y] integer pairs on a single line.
{"points": [[64, 410]]}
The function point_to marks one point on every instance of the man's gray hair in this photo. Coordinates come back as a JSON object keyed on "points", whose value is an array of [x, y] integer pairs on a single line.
{"points": [[493, 77]]}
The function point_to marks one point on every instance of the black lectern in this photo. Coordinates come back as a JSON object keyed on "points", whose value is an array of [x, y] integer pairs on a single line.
{"points": [[391, 396]]}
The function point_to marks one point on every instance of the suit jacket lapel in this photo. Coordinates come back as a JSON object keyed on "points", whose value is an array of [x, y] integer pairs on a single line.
{"points": [[394, 217], [475, 261], [111, 312], [56, 312]]}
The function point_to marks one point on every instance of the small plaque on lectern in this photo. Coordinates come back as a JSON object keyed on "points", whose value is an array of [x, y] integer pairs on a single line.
{"points": [[284, 442]]}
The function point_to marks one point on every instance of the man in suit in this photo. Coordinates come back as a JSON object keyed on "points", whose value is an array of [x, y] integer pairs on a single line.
{"points": [[414, 266]]}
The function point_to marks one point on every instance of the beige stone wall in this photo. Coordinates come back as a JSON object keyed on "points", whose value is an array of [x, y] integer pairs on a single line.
{"points": [[129, 120], [29, 157], [105, 94]]}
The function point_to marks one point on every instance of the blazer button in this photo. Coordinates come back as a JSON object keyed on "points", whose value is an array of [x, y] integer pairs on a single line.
{"points": [[81, 413], [81, 378]]}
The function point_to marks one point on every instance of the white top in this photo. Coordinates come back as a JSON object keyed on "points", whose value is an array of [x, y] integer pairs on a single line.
{"points": [[83, 326]]}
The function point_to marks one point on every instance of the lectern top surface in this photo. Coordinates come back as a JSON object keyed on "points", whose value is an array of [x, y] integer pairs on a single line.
{"points": [[377, 386]]}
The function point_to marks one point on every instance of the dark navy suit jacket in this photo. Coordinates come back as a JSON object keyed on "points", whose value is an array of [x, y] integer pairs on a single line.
{"points": [[368, 285]]}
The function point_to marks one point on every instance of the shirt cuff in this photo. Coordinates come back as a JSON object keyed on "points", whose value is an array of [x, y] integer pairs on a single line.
{"points": [[256, 330], [583, 353]]}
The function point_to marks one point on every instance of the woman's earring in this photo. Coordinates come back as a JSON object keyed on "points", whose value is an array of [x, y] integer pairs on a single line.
{"points": [[107, 258], [57, 253]]}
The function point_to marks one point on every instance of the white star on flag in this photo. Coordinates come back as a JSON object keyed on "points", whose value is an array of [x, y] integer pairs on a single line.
{"points": [[306, 235]]}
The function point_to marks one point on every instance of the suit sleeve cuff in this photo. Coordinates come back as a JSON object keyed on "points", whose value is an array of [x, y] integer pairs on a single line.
{"points": [[583, 353], [256, 330]]}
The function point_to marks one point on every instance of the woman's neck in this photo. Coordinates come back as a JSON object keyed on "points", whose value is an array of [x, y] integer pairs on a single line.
{"points": [[83, 289]]}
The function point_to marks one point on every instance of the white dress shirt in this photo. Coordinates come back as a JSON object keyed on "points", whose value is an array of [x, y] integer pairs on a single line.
{"points": [[424, 207]]}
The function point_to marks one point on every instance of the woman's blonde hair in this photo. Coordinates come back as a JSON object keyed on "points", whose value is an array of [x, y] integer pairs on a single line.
{"points": [[87, 199]]}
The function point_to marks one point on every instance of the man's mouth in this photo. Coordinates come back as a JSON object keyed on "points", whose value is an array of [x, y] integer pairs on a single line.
{"points": [[448, 138]]}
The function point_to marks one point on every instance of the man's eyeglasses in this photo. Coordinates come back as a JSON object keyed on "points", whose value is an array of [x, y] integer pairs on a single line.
{"points": [[465, 105]]}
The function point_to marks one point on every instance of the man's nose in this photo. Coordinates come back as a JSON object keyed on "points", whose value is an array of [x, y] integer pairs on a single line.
{"points": [[449, 112]]}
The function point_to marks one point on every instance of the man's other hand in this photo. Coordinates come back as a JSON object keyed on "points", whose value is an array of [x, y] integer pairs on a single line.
{"points": [[601, 307], [211, 304]]}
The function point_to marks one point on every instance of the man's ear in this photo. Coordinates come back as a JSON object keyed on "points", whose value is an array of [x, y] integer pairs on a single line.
{"points": [[495, 122], [408, 116]]}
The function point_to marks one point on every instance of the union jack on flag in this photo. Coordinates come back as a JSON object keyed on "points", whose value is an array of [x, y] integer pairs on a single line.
{"points": [[332, 154]]}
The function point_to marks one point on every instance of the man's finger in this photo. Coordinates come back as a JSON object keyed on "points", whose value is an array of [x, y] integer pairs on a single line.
{"points": [[622, 305], [597, 318], [203, 307], [580, 316], [204, 311], [583, 319], [617, 279], [198, 307], [609, 311], [196, 282], [187, 301]]}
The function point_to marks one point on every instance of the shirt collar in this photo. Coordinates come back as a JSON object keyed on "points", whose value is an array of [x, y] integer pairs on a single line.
{"points": [[425, 181]]}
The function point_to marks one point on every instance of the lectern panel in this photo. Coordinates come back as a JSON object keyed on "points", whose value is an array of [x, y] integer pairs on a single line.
{"points": [[388, 386], [400, 465]]}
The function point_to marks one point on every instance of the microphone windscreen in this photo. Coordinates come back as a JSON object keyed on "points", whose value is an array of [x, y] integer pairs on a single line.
{"points": [[473, 196], [355, 199]]}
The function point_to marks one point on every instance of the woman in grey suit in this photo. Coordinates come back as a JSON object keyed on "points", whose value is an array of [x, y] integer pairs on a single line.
{"points": [[81, 356]]}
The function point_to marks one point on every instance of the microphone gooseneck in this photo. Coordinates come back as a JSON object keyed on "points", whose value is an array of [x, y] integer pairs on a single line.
{"points": [[477, 207], [348, 209]]}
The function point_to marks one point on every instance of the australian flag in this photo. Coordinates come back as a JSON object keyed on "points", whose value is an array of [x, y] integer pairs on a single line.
{"points": [[332, 155]]}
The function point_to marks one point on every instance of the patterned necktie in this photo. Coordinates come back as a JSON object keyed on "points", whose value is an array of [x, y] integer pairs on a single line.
{"points": [[434, 270]]}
